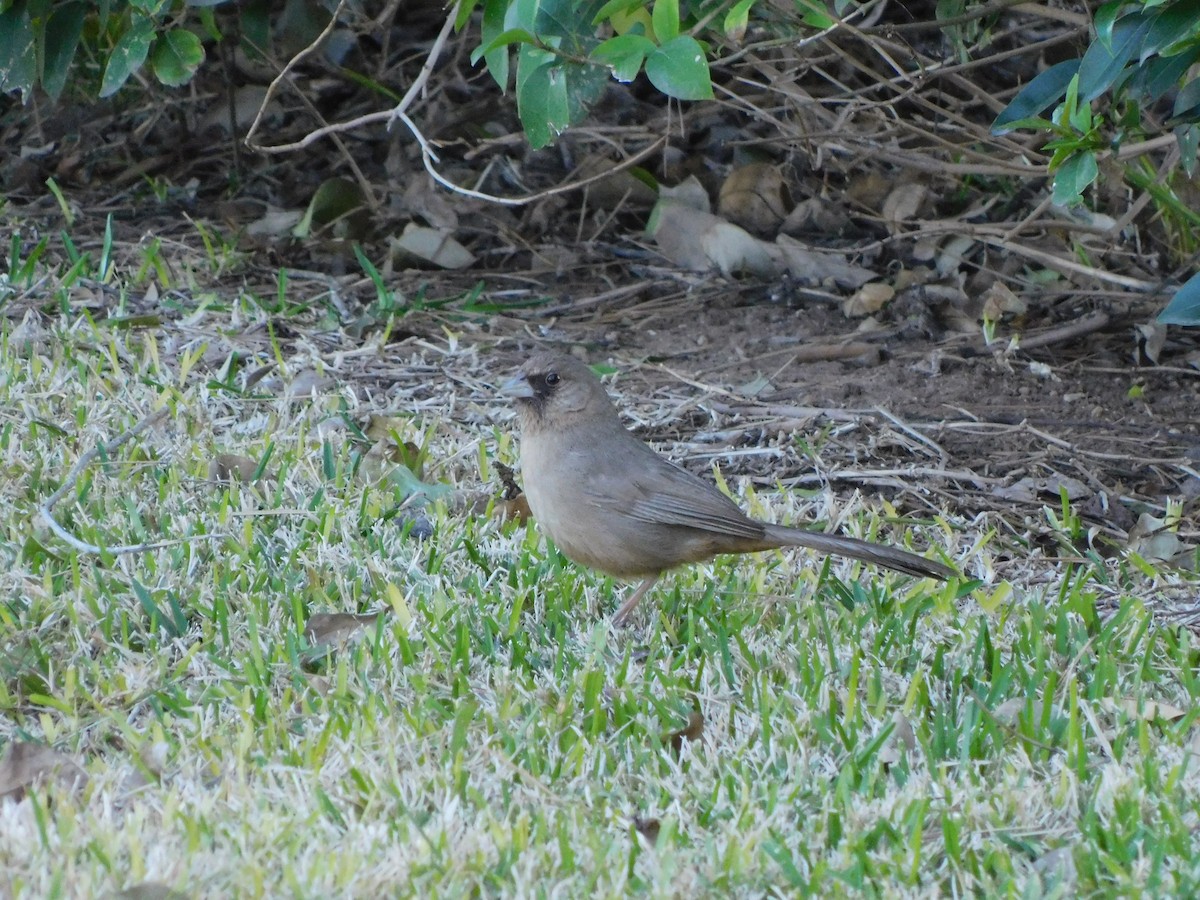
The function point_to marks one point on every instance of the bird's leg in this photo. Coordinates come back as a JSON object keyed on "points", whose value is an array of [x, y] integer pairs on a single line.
{"points": [[626, 611]]}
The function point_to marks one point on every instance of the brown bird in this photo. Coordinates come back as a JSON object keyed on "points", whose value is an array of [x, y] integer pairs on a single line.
{"points": [[611, 503]]}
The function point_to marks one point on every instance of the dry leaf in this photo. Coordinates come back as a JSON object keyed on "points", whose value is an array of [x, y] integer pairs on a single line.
{"points": [[514, 510], [690, 732], [755, 197], [424, 198], [1151, 339], [689, 192], [274, 223], [819, 266], [338, 205], [1000, 301], [1008, 711], [648, 828], [816, 215], [303, 384], [616, 190], [325, 631], [148, 890], [901, 741], [869, 190], [1148, 710], [230, 467], [27, 765], [952, 254], [700, 241], [1152, 539], [384, 430], [868, 299], [429, 245], [1029, 489], [902, 204]]}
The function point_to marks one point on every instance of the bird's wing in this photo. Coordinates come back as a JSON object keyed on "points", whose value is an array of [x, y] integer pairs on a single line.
{"points": [[661, 493]]}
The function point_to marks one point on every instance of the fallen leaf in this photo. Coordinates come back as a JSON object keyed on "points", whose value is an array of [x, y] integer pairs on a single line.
{"points": [[1008, 711], [902, 204], [999, 301], [274, 223], [951, 255], [429, 245], [1153, 539], [816, 215], [819, 266], [689, 192], [328, 631], [618, 189], [1147, 710], [229, 467], [648, 827], [338, 205], [690, 732], [148, 890], [307, 383], [755, 197], [868, 299], [901, 742], [26, 765], [1030, 488], [1152, 337], [424, 198]]}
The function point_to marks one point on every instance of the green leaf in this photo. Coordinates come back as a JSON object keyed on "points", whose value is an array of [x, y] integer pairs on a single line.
{"points": [[1184, 308], [1171, 29], [814, 15], [1106, 17], [523, 14], [491, 28], [1157, 76], [1188, 139], [1103, 63], [665, 19], [18, 61], [463, 15], [177, 56], [127, 56], [624, 55], [737, 18], [1074, 177], [63, 30], [541, 95], [678, 69], [507, 39], [1187, 104], [1043, 92], [614, 6]]}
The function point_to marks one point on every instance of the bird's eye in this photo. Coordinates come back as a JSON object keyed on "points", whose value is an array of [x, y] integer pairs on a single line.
{"points": [[552, 378]]}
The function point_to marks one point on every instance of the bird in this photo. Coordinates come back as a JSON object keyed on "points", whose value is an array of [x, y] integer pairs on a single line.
{"points": [[610, 502]]}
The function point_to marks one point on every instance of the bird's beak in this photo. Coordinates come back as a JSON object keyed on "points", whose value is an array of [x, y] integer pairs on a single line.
{"points": [[517, 387]]}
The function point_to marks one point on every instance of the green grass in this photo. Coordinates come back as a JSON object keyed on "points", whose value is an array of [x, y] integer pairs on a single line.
{"points": [[864, 734]]}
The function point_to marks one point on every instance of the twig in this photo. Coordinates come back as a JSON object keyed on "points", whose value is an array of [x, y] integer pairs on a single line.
{"points": [[428, 158], [273, 87], [73, 476]]}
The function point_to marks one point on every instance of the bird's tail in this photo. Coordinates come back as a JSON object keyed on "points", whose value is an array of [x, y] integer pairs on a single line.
{"points": [[840, 545]]}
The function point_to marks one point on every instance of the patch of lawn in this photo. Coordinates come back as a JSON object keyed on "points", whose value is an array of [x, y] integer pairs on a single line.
{"points": [[773, 725]]}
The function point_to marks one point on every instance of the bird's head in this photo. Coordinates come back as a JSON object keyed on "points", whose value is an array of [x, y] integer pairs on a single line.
{"points": [[556, 389]]}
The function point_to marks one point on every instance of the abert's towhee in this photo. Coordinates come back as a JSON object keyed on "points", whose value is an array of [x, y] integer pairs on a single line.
{"points": [[611, 503]]}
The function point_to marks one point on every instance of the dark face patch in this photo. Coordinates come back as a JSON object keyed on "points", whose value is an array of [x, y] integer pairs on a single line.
{"points": [[544, 385]]}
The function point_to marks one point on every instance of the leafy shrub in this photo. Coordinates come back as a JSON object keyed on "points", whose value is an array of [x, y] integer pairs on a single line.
{"points": [[40, 39]]}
